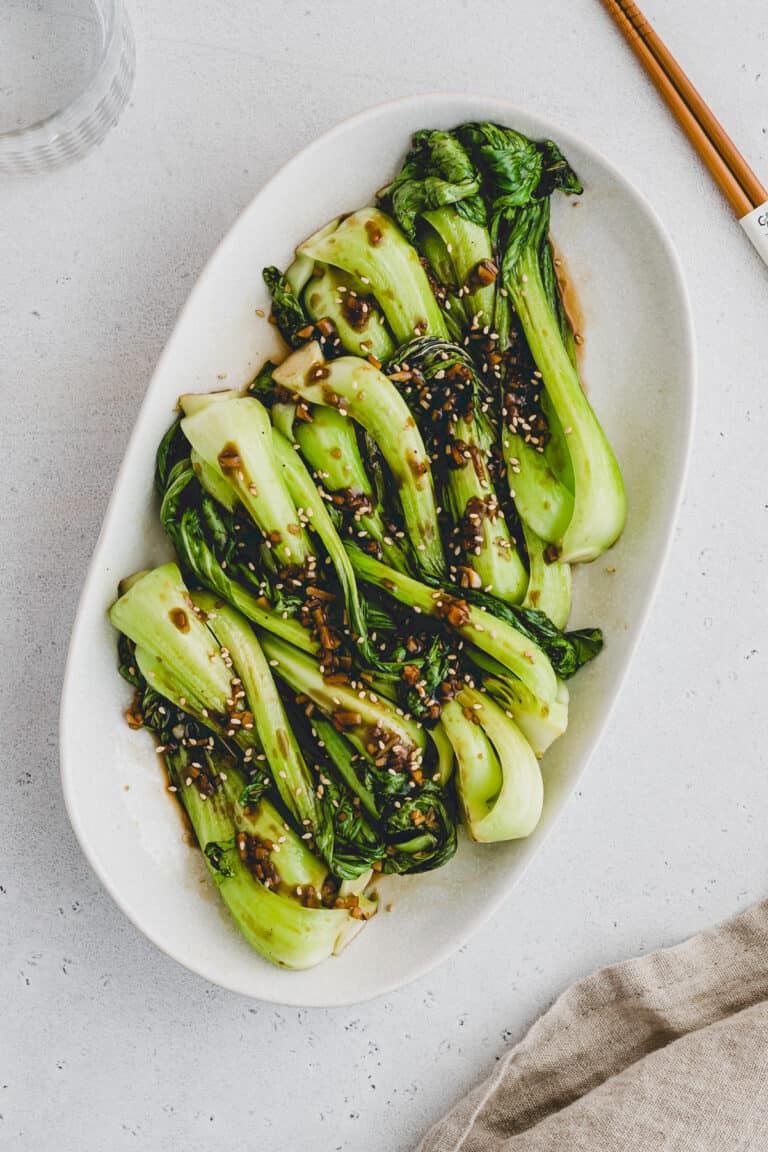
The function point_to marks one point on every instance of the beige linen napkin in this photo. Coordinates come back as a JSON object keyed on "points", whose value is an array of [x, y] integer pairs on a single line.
{"points": [[667, 1051]]}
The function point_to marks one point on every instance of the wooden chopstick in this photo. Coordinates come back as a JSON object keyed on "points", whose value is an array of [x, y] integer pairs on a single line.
{"points": [[726, 165]]}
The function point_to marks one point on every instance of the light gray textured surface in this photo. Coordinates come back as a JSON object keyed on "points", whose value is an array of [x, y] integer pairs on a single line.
{"points": [[105, 1043]]}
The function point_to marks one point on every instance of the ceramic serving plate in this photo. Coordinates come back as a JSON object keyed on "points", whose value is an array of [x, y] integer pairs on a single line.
{"points": [[638, 367]]}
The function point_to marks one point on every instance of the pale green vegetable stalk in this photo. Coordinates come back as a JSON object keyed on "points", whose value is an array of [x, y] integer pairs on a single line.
{"points": [[369, 246], [157, 614], [306, 496], [498, 778], [451, 406], [540, 722], [515, 652], [234, 438], [549, 581], [283, 473], [468, 248], [358, 713], [518, 179], [213, 667], [359, 390], [329, 445], [273, 919], [292, 778], [435, 199], [345, 301]]}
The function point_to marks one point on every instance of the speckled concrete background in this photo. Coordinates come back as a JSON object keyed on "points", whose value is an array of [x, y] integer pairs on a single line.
{"points": [[105, 1043]]}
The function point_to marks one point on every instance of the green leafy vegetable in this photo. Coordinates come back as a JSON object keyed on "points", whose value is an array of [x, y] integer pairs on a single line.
{"points": [[567, 651], [369, 246], [328, 442], [435, 199], [278, 892], [287, 309], [498, 635], [359, 390], [519, 176], [452, 407], [437, 171]]}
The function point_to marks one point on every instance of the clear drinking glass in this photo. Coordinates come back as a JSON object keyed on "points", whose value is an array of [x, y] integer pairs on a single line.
{"points": [[66, 68]]}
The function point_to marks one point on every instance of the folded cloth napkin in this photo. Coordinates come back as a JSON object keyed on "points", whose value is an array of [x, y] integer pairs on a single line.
{"points": [[667, 1051]]}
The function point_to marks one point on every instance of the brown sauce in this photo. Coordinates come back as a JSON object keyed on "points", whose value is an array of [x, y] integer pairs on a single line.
{"points": [[229, 458], [357, 311], [373, 232], [417, 467], [574, 306], [179, 619]]}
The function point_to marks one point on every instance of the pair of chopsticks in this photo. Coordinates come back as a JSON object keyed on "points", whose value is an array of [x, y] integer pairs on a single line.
{"points": [[730, 171]]}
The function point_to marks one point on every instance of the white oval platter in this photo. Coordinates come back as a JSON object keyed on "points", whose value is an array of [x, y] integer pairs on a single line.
{"points": [[639, 368]]}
